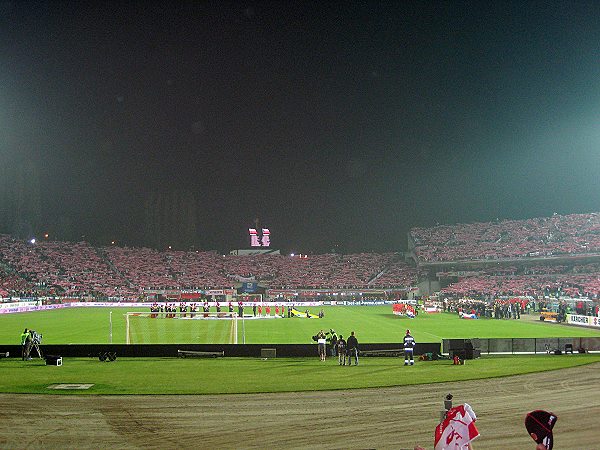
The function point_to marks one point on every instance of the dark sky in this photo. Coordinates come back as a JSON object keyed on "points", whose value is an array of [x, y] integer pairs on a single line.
{"points": [[335, 123]]}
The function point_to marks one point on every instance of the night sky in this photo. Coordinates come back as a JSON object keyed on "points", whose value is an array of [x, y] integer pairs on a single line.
{"points": [[338, 125]]}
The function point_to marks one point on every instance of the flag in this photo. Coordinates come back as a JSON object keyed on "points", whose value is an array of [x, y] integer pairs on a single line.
{"points": [[457, 430]]}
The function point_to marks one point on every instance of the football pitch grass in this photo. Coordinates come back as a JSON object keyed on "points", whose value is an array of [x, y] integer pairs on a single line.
{"points": [[372, 324], [255, 375]]}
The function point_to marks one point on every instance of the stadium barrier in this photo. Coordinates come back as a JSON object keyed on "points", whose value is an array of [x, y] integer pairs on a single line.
{"points": [[485, 346], [526, 345], [584, 321], [229, 350]]}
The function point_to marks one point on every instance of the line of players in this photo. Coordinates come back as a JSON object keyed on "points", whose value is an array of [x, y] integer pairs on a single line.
{"points": [[168, 310]]}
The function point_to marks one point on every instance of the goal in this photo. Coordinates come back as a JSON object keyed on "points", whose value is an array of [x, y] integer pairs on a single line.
{"points": [[181, 328]]}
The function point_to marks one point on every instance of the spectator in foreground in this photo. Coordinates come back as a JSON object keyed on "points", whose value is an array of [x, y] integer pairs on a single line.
{"points": [[539, 425]]}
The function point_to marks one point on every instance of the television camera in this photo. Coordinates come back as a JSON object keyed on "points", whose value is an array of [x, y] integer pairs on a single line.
{"points": [[328, 335], [36, 340]]}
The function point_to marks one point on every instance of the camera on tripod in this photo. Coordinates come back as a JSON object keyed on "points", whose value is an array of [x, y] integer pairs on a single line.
{"points": [[36, 338], [35, 342], [328, 335]]}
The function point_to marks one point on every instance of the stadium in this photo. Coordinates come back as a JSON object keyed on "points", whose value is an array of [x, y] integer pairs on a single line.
{"points": [[106, 312]]}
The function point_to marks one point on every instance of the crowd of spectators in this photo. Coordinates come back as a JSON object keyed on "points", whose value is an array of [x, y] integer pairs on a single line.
{"points": [[398, 272], [77, 270], [144, 268], [499, 308], [566, 284], [58, 268], [573, 234], [13, 284], [80, 270]]}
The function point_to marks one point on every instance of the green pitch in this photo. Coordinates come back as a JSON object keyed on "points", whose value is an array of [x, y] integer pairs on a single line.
{"points": [[247, 375], [223, 375], [374, 324]]}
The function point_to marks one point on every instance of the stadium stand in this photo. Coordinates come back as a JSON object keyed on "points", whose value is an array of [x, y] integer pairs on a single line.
{"points": [[573, 234], [77, 270], [535, 257], [529, 285], [58, 268], [558, 255]]}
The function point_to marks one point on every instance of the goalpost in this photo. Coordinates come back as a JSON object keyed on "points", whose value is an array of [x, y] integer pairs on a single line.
{"points": [[180, 328]]}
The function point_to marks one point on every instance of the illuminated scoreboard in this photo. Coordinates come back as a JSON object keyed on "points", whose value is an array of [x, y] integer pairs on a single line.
{"points": [[266, 237], [262, 240], [254, 240]]}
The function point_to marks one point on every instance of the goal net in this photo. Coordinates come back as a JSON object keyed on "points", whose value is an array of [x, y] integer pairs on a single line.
{"points": [[181, 328]]}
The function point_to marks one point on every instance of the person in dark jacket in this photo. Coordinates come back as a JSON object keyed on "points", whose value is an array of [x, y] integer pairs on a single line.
{"points": [[341, 350], [352, 349], [333, 341], [409, 346]]}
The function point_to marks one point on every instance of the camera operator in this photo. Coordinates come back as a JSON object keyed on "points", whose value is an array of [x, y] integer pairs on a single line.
{"points": [[333, 342], [25, 344], [322, 342]]}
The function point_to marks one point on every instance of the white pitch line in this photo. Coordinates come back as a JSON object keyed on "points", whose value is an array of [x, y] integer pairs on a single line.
{"points": [[431, 334]]}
